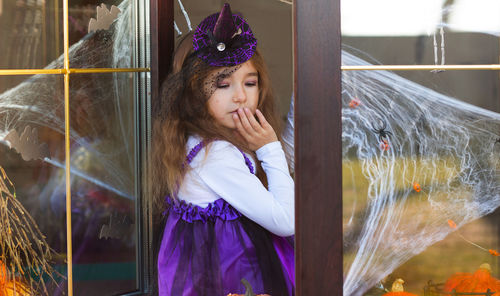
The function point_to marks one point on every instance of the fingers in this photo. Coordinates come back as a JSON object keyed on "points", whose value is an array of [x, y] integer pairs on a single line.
{"points": [[244, 120], [256, 126], [239, 126], [256, 133], [263, 122], [247, 121]]}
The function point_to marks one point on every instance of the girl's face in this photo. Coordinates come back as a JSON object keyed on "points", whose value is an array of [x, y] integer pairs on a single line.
{"points": [[238, 90]]}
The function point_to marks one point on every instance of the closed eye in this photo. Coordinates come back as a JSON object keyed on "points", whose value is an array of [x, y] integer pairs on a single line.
{"points": [[223, 85]]}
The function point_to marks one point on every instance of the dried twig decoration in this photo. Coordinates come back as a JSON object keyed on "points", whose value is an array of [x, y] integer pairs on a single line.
{"points": [[104, 19], [24, 253], [27, 144]]}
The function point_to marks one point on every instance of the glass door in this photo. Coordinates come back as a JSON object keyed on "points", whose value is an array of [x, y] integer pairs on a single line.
{"points": [[421, 147], [73, 103]]}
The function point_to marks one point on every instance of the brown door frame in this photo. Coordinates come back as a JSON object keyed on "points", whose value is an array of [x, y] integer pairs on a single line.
{"points": [[161, 31], [318, 148], [318, 132]]}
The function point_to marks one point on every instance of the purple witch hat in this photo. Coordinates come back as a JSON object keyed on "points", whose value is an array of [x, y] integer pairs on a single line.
{"points": [[224, 39]]}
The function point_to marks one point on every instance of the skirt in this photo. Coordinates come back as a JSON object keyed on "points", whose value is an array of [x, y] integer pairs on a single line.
{"points": [[208, 251]]}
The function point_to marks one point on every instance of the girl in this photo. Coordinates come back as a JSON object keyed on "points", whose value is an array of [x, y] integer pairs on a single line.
{"points": [[229, 204]]}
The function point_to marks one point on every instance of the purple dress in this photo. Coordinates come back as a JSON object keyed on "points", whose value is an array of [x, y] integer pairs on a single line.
{"points": [[207, 251]]}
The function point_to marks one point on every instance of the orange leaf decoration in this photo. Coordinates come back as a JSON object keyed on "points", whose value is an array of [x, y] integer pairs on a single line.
{"points": [[452, 224], [417, 187], [494, 252], [384, 145], [354, 103], [478, 282]]}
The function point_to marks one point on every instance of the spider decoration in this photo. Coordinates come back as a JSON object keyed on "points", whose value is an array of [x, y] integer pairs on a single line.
{"points": [[382, 133]]}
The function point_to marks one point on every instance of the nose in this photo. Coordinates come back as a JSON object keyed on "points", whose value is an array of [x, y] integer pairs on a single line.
{"points": [[239, 95]]}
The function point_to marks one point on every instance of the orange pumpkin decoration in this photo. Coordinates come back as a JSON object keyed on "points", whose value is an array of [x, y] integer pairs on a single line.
{"points": [[398, 290], [11, 287], [3, 275], [231, 294], [15, 288], [478, 282], [249, 290]]}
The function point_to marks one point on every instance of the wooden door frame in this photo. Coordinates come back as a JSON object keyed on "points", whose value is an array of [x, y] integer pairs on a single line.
{"points": [[318, 148], [318, 134]]}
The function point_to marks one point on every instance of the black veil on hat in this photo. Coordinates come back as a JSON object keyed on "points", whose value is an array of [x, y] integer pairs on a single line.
{"points": [[222, 42]]}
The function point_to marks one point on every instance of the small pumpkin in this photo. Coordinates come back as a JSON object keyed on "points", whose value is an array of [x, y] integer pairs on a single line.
{"points": [[248, 292], [16, 288], [398, 290], [478, 282], [11, 287]]}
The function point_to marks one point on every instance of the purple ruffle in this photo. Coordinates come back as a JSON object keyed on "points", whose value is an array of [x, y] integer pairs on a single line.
{"points": [[210, 258], [188, 212]]}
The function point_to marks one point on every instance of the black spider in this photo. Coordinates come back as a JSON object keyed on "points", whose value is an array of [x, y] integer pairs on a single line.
{"points": [[497, 141], [382, 133]]}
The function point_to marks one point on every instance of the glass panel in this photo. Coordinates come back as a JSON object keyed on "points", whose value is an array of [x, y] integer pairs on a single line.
{"points": [[101, 34], [31, 33], [32, 154], [103, 161], [421, 176], [422, 32]]}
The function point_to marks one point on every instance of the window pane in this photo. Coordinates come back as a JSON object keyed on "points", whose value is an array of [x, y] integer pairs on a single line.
{"points": [[32, 124], [104, 183], [101, 34], [420, 177], [31, 33], [422, 32]]}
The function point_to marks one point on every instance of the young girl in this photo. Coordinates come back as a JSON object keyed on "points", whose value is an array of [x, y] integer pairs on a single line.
{"points": [[229, 205]]}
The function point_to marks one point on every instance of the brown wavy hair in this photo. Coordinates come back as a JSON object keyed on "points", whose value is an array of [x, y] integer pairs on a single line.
{"points": [[183, 111]]}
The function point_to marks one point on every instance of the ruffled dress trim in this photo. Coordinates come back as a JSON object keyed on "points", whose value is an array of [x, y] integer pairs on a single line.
{"points": [[188, 212]]}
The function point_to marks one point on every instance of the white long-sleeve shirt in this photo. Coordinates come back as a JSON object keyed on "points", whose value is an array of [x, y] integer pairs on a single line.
{"points": [[222, 173]]}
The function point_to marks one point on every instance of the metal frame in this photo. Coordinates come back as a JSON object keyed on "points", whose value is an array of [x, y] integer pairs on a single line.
{"points": [[421, 67]]}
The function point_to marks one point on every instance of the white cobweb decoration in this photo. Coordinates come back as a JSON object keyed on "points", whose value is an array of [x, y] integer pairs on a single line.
{"points": [[104, 135], [448, 148]]}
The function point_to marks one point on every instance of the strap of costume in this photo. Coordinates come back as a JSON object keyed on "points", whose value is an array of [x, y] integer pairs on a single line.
{"points": [[199, 146], [192, 154]]}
